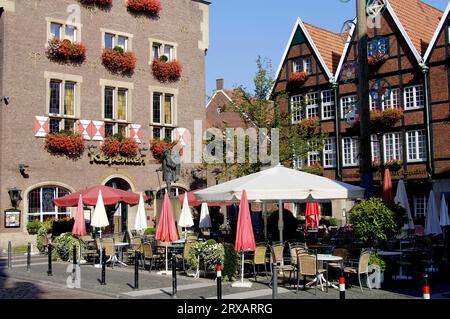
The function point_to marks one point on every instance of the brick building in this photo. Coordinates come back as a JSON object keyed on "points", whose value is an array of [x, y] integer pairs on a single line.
{"points": [[45, 96], [409, 91]]}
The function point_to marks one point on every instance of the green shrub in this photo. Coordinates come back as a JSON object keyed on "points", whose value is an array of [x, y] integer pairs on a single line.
{"points": [[63, 246], [209, 252], [40, 239], [333, 221], [150, 231], [376, 260], [119, 49], [48, 224], [230, 266], [33, 226]]}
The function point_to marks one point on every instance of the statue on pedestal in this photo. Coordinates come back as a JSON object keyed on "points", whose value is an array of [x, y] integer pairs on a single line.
{"points": [[171, 167]]}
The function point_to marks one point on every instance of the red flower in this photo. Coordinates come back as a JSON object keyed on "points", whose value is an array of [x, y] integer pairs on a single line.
{"points": [[64, 51], [65, 144], [158, 147], [297, 79], [118, 146], [166, 71], [150, 7], [118, 62]]}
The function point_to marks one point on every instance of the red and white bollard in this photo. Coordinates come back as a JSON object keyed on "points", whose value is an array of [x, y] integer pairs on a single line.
{"points": [[219, 281], [426, 287], [342, 286]]}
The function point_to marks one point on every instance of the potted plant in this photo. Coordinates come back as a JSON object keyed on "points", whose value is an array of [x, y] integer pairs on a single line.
{"points": [[297, 79], [33, 226], [65, 143], [166, 71], [66, 51], [394, 165], [118, 61], [149, 7], [377, 266], [118, 145]]}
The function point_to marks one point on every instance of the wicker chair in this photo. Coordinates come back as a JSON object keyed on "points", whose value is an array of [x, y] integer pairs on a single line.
{"points": [[110, 251], [308, 266], [185, 255], [340, 252], [259, 259], [135, 245], [149, 255], [361, 268], [276, 255]]}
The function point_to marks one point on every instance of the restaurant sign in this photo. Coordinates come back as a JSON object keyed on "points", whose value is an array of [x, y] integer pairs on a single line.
{"points": [[100, 158]]}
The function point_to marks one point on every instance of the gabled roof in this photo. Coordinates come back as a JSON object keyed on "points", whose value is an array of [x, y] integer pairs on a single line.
{"points": [[436, 33], [419, 20], [227, 93]]}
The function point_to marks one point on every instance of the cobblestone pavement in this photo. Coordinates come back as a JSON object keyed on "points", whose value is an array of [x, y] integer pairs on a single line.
{"points": [[18, 283]]}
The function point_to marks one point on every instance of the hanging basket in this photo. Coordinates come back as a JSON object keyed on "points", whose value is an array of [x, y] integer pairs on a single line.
{"points": [[165, 71]]}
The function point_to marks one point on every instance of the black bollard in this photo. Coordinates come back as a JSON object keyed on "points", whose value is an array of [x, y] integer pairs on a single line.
{"points": [[174, 275], [136, 269], [9, 255], [49, 251], [219, 281], [103, 267], [342, 286], [274, 281], [29, 257], [74, 261]]}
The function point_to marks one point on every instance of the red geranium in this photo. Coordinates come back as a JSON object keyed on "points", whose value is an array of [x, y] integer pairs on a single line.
{"points": [[118, 61], [297, 79], [65, 143], [150, 7], [166, 71], [158, 147], [64, 50], [120, 146], [100, 3]]}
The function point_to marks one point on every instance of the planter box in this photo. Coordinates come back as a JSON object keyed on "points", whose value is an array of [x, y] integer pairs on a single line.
{"points": [[376, 277]]}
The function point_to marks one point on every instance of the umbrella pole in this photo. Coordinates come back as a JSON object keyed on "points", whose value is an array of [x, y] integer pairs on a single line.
{"points": [[167, 269], [242, 266]]}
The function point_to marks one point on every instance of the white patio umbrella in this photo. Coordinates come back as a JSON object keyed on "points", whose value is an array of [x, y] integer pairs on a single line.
{"points": [[140, 223], [401, 198], [432, 226], [205, 219], [99, 218], [186, 216]]}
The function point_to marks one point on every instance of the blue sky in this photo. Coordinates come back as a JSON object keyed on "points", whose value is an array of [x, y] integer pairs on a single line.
{"points": [[240, 30]]}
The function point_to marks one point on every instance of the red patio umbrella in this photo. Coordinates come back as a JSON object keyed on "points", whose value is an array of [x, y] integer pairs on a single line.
{"points": [[167, 230], [79, 227], [192, 200], [312, 215], [387, 186], [110, 196]]}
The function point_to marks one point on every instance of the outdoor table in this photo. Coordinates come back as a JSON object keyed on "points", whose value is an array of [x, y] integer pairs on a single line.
{"points": [[120, 246], [327, 259]]}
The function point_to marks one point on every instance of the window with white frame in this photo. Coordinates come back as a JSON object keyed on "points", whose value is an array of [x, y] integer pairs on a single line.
{"points": [[376, 149], [350, 150], [159, 48], [162, 115], [62, 105], [296, 108], [374, 104], [112, 40], [414, 97], [329, 153], [40, 203], [307, 65], [115, 110], [312, 104], [392, 147], [296, 65], [420, 205], [392, 101], [63, 31], [417, 150], [297, 163], [313, 156], [328, 111], [346, 103]]}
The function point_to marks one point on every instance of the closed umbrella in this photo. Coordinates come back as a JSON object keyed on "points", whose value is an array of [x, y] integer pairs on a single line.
{"points": [[140, 223], [99, 218], [205, 219], [245, 240], [401, 198], [444, 220], [312, 215], [79, 227], [387, 186], [432, 226], [186, 216], [166, 231]]}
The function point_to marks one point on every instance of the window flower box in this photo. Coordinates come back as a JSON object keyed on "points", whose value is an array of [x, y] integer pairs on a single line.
{"points": [[381, 121], [394, 165], [66, 51], [165, 71], [149, 7], [158, 147], [65, 143], [315, 169], [119, 62], [297, 79], [119, 145], [98, 3]]}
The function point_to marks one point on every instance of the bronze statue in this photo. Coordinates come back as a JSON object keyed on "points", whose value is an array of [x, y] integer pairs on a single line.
{"points": [[171, 167]]}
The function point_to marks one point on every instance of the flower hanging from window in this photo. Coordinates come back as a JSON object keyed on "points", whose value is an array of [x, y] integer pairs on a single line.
{"points": [[297, 79], [150, 7], [118, 61], [64, 51], [166, 71], [158, 147], [118, 145], [65, 143]]}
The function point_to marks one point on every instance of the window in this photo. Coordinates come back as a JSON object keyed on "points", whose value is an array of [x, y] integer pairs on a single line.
{"points": [[347, 102], [63, 31], [392, 101], [296, 65], [296, 108], [115, 103], [312, 105], [376, 149], [113, 40], [350, 150], [40, 203], [329, 153], [392, 147], [374, 104], [160, 48], [307, 65], [420, 205], [327, 98], [297, 163], [162, 115], [414, 97], [62, 104], [416, 149], [313, 156]]}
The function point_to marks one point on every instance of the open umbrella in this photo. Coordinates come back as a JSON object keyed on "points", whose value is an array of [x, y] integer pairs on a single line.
{"points": [[401, 198], [140, 223], [99, 218], [186, 216], [79, 227], [205, 219], [312, 215], [245, 240], [166, 231], [432, 226], [387, 185]]}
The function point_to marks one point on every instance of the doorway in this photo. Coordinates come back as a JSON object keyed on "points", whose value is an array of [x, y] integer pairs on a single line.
{"points": [[118, 213]]}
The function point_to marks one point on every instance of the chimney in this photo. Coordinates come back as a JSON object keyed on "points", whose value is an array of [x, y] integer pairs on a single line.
{"points": [[219, 84]]}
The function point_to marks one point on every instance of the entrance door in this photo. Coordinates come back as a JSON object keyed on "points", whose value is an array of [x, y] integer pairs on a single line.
{"points": [[118, 214]]}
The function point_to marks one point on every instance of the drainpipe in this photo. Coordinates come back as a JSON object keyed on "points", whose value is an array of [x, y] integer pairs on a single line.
{"points": [[428, 117], [337, 128]]}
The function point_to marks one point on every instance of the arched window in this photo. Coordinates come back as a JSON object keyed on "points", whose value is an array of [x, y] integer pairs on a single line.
{"points": [[40, 205], [174, 190]]}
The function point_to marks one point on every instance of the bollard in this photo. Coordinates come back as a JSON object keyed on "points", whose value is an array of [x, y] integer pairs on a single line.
{"points": [[49, 251], [219, 281], [29, 257], [9, 255], [426, 287], [174, 275], [74, 261], [136, 269], [274, 281], [342, 286], [103, 282]]}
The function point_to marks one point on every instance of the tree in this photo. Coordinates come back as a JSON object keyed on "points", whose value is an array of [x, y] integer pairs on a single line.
{"points": [[256, 111]]}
